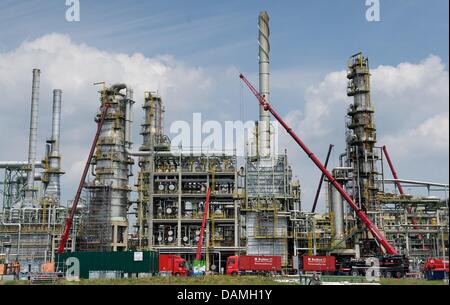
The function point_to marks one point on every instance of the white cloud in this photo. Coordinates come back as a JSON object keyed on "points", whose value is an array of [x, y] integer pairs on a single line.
{"points": [[430, 138]]}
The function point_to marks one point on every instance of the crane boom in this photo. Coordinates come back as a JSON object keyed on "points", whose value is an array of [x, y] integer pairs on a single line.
{"points": [[399, 186], [359, 212], [394, 173], [202, 230], [69, 220]]}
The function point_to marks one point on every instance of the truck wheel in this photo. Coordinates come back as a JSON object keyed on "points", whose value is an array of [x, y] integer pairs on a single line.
{"points": [[177, 274], [388, 274], [355, 273], [234, 273], [399, 275]]}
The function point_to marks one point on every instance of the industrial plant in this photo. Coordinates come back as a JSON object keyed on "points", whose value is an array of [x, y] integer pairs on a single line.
{"points": [[205, 210]]}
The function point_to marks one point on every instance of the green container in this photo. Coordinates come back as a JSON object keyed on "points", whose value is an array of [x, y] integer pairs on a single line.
{"points": [[123, 262]]}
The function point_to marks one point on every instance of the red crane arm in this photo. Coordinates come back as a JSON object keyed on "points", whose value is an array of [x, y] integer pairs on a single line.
{"points": [[394, 173], [202, 230], [399, 186], [69, 220], [359, 212]]}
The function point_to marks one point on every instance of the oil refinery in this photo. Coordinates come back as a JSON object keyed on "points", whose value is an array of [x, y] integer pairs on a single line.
{"points": [[150, 208]]}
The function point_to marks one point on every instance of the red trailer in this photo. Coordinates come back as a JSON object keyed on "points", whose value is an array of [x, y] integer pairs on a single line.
{"points": [[239, 265], [319, 263], [172, 264]]}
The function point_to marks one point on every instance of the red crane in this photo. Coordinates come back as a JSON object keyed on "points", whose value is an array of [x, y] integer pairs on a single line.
{"points": [[399, 186], [359, 212], [69, 220], [202, 230], [394, 173]]}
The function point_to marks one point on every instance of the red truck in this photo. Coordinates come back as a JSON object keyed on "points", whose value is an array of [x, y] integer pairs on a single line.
{"points": [[240, 265], [319, 263], [436, 269], [172, 264]]}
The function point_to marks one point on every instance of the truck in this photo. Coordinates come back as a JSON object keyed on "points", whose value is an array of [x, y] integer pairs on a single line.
{"points": [[436, 269], [256, 265], [390, 266], [170, 264], [326, 264]]}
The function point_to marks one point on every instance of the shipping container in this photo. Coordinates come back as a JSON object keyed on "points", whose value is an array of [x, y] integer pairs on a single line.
{"points": [[319, 263], [129, 262]]}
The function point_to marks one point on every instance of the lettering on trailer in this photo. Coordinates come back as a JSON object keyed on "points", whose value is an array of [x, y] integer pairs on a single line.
{"points": [[234, 294], [263, 261], [317, 261]]}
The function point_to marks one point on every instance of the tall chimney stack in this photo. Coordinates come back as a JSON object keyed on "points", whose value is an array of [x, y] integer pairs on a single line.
{"points": [[33, 134], [264, 89], [53, 188]]}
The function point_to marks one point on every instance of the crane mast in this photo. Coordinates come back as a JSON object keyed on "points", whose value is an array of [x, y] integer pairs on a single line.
{"points": [[202, 230]]}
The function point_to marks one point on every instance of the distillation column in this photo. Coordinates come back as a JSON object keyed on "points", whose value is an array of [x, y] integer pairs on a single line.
{"points": [[153, 140], [112, 163], [361, 139]]}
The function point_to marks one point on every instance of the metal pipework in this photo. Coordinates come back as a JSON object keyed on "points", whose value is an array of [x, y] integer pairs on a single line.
{"points": [[33, 133], [264, 87], [53, 188]]}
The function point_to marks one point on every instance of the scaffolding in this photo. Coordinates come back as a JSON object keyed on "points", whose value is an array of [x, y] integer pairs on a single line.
{"points": [[96, 228], [269, 199]]}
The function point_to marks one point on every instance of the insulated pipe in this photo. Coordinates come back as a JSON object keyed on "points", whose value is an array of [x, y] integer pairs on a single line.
{"points": [[117, 87], [17, 164], [264, 87], [337, 208], [33, 132], [129, 117]]}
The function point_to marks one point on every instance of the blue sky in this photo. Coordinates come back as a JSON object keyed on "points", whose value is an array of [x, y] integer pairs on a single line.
{"points": [[312, 34], [209, 42]]}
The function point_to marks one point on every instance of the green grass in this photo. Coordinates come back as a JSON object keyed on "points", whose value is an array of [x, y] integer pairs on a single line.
{"points": [[157, 280], [410, 282], [219, 280]]}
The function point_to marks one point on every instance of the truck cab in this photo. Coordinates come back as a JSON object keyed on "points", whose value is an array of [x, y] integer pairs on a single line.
{"points": [[172, 264], [233, 265]]}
